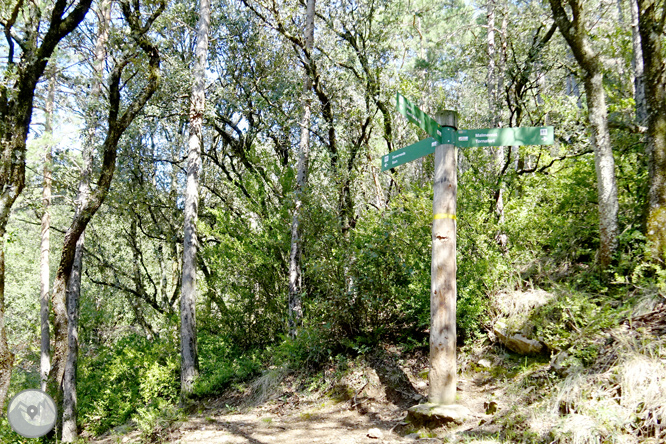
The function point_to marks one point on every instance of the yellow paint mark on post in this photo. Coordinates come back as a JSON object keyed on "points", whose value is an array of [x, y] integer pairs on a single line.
{"points": [[444, 216]]}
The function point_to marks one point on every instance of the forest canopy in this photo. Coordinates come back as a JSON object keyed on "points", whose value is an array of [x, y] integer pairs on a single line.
{"points": [[192, 192]]}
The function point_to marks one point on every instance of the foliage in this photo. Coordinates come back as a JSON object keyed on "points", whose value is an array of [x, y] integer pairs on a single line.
{"points": [[9, 436], [574, 321], [222, 364], [115, 380]]}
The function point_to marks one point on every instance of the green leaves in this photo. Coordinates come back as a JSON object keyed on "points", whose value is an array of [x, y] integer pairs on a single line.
{"points": [[115, 380]]}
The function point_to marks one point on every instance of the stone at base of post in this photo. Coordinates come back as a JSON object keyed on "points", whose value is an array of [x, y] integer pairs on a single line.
{"points": [[436, 415]]}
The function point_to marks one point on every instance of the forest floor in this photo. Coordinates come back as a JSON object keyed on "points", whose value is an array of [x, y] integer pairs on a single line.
{"points": [[619, 396], [366, 402]]}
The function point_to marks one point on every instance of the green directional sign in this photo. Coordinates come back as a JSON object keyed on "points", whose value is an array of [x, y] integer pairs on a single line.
{"points": [[542, 135], [409, 153], [418, 117]]}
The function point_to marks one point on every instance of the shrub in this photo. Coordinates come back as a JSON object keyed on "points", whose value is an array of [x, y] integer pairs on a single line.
{"points": [[221, 364], [116, 380]]}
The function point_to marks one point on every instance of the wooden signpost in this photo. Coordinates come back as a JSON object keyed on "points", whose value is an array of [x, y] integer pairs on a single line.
{"points": [[444, 142]]}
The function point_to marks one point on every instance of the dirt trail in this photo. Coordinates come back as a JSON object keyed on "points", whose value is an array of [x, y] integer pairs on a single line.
{"points": [[372, 410], [323, 422], [319, 420]]}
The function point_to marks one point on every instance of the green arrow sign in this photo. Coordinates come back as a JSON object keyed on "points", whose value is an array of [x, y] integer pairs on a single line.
{"points": [[415, 115], [542, 135], [409, 153]]}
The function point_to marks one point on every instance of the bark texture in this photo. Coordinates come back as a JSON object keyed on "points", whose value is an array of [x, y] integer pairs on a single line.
{"points": [[295, 315], [574, 32], [17, 92], [45, 241], [442, 376], [73, 295], [6, 356], [70, 401], [189, 368], [651, 24]]}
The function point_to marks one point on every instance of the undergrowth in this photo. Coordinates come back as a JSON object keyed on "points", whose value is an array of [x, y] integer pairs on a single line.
{"points": [[606, 378]]}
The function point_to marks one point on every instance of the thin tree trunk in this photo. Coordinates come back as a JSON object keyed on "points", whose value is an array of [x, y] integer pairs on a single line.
{"points": [[295, 280], [491, 80], [620, 13], [164, 277], [499, 151], [175, 261], [651, 25], [637, 64], [117, 123], [138, 282], [188, 332], [45, 243], [574, 32], [495, 82], [70, 411], [73, 295], [6, 356]]}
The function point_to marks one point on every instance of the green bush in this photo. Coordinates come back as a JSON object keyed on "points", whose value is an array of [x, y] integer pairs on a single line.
{"points": [[573, 321], [221, 364], [116, 380]]}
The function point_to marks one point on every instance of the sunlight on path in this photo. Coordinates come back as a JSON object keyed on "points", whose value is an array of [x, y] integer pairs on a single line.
{"points": [[328, 425]]}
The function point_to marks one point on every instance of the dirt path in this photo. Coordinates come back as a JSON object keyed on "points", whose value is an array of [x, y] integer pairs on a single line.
{"points": [[310, 422], [365, 415], [319, 420]]}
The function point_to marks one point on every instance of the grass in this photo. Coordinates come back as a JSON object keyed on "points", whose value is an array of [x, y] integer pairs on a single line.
{"points": [[615, 394]]}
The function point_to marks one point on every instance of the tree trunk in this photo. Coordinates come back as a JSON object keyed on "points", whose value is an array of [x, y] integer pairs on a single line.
{"points": [[139, 287], [491, 80], [651, 25], [295, 280], [45, 243], [6, 356], [73, 295], [70, 412], [495, 82], [605, 166], [88, 205], [637, 64], [574, 32], [188, 332], [16, 104]]}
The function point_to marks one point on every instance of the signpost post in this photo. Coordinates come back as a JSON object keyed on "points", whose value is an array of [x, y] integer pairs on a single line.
{"points": [[442, 375], [444, 142]]}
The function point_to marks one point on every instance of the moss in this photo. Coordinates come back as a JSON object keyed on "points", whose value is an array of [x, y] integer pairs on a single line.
{"points": [[656, 231], [341, 392]]}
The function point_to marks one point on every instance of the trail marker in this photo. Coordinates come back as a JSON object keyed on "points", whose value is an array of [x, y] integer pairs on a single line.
{"points": [[445, 139], [505, 137], [409, 153], [418, 117]]}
